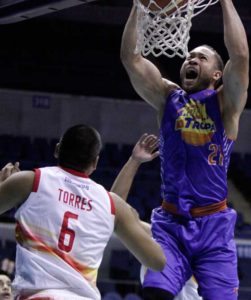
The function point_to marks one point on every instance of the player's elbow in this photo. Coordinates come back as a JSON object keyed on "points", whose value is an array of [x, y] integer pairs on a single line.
{"points": [[241, 57], [244, 50], [126, 59], [126, 53], [129, 59], [157, 261], [160, 264]]}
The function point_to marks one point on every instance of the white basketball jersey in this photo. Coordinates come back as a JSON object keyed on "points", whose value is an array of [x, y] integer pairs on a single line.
{"points": [[62, 230]]}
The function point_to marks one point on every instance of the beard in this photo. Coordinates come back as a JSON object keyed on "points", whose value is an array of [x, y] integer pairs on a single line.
{"points": [[195, 85]]}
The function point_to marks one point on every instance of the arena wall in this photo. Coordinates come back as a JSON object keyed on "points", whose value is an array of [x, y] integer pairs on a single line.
{"points": [[38, 114]]}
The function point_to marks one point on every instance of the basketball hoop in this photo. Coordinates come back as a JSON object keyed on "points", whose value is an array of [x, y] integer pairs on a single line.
{"points": [[166, 30]]}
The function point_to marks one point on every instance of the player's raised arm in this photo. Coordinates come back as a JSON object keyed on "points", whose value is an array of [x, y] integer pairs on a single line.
{"points": [[145, 77], [235, 77], [130, 231], [143, 151]]}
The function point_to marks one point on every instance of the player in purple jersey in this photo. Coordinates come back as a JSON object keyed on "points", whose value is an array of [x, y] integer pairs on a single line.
{"points": [[198, 124], [144, 151]]}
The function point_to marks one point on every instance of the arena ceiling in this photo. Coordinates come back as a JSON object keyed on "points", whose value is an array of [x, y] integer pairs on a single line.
{"points": [[76, 50]]}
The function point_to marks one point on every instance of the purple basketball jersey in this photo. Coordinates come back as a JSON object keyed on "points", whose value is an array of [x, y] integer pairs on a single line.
{"points": [[194, 150]]}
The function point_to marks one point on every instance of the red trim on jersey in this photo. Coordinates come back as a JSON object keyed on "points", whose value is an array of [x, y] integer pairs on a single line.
{"points": [[113, 210], [75, 172], [36, 180], [23, 236]]}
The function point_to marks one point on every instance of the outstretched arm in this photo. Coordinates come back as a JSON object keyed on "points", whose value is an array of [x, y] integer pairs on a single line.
{"points": [[131, 232], [143, 151], [145, 77], [233, 96]]}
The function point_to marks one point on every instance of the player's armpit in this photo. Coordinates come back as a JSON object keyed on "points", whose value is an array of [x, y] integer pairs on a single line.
{"points": [[138, 241]]}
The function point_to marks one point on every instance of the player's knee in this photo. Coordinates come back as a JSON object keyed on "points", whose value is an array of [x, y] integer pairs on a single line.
{"points": [[151, 293]]}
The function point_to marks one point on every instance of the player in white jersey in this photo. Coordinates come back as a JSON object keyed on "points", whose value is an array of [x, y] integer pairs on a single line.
{"points": [[65, 221], [144, 151]]}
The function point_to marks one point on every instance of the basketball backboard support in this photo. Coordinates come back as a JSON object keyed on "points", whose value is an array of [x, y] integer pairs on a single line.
{"points": [[12, 11]]}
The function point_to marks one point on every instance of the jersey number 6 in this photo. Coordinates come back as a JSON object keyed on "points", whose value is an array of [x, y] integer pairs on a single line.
{"points": [[66, 231]]}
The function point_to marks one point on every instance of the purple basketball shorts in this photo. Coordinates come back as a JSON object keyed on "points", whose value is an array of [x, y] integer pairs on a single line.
{"points": [[202, 246]]}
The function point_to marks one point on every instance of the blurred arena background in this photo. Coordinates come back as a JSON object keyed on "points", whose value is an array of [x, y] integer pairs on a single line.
{"points": [[63, 68]]}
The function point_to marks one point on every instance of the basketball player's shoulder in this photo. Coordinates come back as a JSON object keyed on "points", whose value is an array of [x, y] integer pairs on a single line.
{"points": [[120, 204], [47, 173], [99, 188], [169, 86], [96, 184], [48, 169]]}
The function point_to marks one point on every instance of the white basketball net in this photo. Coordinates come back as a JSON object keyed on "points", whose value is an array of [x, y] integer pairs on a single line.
{"points": [[165, 31]]}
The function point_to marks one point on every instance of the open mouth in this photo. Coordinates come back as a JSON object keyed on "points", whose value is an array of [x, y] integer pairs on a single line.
{"points": [[191, 74], [6, 296]]}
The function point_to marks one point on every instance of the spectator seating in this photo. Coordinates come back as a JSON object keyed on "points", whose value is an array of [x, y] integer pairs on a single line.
{"points": [[132, 296], [112, 296]]}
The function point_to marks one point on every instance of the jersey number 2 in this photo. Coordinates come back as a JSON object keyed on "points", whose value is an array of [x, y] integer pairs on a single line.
{"points": [[67, 232], [215, 157]]}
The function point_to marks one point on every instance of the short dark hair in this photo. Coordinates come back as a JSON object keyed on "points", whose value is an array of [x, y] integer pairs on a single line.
{"points": [[219, 64], [79, 147], [219, 60]]}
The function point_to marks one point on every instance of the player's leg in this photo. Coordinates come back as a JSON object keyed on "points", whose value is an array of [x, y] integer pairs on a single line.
{"points": [[189, 291], [215, 268], [168, 282], [152, 293]]}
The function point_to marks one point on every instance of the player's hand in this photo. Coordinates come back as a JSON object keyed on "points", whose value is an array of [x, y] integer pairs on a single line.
{"points": [[145, 148], [8, 170]]}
